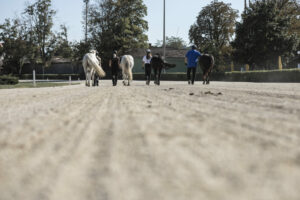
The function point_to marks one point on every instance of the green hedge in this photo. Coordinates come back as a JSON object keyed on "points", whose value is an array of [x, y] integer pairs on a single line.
{"points": [[8, 80], [289, 75]]}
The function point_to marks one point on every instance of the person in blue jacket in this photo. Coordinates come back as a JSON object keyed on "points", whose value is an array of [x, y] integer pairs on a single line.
{"points": [[191, 61]]}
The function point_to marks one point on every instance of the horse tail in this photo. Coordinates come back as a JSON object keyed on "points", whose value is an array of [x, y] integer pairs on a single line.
{"points": [[92, 61], [130, 73], [131, 64], [127, 62], [101, 73]]}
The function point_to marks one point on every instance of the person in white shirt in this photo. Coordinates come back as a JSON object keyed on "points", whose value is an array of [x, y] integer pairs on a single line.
{"points": [[147, 60]]}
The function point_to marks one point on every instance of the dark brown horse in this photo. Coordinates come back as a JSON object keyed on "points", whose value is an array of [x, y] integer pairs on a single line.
{"points": [[207, 63], [157, 64]]}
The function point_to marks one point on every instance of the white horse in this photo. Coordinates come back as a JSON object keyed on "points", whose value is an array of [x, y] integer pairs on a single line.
{"points": [[126, 65], [91, 65]]}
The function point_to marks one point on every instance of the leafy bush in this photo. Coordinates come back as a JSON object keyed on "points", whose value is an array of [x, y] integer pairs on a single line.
{"points": [[8, 80]]}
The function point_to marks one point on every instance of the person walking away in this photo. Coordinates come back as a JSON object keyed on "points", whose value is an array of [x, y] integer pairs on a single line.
{"points": [[147, 60], [114, 64], [191, 61]]}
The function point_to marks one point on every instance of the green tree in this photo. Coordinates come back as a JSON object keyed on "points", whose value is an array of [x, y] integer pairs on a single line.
{"points": [[175, 42], [30, 38], [214, 29], [118, 24], [172, 42], [291, 8], [40, 17], [264, 34], [15, 46], [159, 43], [63, 47], [80, 49]]}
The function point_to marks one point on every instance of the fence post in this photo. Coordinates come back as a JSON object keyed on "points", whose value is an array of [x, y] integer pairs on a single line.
{"points": [[232, 66], [279, 63], [247, 67], [33, 76]]}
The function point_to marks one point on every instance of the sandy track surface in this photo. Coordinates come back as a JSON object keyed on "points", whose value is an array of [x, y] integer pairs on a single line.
{"points": [[225, 141]]}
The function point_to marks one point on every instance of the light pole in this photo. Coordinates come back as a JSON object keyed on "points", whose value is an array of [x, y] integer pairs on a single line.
{"points": [[164, 39], [86, 18]]}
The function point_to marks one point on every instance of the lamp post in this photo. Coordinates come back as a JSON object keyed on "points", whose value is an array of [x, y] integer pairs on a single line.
{"points": [[86, 18], [164, 39]]}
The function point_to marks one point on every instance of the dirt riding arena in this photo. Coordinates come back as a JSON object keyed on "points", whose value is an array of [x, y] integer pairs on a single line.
{"points": [[225, 141]]}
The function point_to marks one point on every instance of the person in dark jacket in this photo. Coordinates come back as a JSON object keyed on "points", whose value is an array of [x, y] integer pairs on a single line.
{"points": [[114, 64]]}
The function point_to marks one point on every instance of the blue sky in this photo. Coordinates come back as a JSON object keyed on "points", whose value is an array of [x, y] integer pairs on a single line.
{"points": [[180, 15]]}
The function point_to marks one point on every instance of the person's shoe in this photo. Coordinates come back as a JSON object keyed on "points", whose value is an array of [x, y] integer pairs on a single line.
{"points": [[189, 82]]}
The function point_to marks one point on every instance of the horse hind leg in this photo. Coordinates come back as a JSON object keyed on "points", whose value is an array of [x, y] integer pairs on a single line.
{"points": [[207, 80], [88, 76], [124, 78], [128, 80], [159, 76], [86, 79]]}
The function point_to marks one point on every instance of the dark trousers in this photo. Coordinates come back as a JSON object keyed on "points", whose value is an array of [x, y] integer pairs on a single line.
{"points": [[193, 70], [148, 72], [157, 74], [96, 80], [114, 75]]}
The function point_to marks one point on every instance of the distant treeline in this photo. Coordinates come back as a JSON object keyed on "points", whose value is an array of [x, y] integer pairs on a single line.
{"points": [[265, 31]]}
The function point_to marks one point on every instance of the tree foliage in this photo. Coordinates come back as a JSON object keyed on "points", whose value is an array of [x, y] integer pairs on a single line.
{"points": [[214, 29], [265, 33], [118, 24], [40, 18], [14, 36], [30, 38], [172, 42], [63, 47]]}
